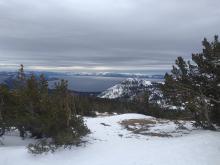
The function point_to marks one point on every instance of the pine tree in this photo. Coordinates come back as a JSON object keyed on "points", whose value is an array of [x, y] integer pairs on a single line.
{"points": [[195, 85], [30, 108], [4, 95], [43, 84], [63, 99]]}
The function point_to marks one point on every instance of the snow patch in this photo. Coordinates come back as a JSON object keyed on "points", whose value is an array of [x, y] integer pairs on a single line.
{"points": [[113, 144]]}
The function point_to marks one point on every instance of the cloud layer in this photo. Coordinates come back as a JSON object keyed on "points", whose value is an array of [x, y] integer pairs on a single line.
{"points": [[121, 35]]}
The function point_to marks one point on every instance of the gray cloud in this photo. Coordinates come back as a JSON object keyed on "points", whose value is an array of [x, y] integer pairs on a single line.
{"points": [[109, 35]]}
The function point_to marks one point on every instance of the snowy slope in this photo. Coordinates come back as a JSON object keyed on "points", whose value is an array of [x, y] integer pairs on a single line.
{"points": [[112, 144], [128, 88], [131, 88]]}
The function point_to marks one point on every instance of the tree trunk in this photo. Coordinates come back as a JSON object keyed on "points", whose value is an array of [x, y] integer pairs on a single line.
{"points": [[205, 112]]}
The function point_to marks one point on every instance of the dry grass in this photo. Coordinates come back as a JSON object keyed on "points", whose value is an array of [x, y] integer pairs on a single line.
{"points": [[156, 134], [143, 126], [134, 122]]}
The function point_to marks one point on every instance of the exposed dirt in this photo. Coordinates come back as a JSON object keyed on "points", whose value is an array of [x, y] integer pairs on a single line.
{"points": [[154, 127], [134, 122]]}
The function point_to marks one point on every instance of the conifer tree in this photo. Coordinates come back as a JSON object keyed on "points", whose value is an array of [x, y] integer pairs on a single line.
{"points": [[196, 85], [49, 117]]}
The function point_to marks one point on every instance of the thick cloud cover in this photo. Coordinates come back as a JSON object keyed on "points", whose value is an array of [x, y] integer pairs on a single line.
{"points": [[103, 35]]}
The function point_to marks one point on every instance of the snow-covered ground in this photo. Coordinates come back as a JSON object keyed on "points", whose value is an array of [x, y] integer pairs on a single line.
{"points": [[127, 88], [110, 143]]}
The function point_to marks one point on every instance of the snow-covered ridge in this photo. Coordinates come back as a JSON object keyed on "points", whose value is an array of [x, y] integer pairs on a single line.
{"points": [[132, 88], [127, 88]]}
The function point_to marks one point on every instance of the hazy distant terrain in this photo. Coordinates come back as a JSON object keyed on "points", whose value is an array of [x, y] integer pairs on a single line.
{"points": [[89, 83], [85, 82]]}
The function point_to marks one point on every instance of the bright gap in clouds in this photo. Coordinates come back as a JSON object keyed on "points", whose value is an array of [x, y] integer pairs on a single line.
{"points": [[78, 69]]}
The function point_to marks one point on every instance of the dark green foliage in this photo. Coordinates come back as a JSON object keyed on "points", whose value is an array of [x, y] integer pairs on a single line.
{"points": [[30, 108], [88, 105], [196, 85], [156, 111], [4, 97], [43, 146]]}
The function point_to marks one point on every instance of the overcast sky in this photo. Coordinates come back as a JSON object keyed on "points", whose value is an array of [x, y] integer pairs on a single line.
{"points": [[103, 35]]}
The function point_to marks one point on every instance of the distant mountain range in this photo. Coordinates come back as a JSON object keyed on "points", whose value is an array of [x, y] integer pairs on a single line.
{"points": [[128, 88], [100, 74], [134, 83], [112, 74]]}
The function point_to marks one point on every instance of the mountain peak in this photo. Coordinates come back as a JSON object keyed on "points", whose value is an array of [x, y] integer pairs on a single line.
{"points": [[126, 89]]}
